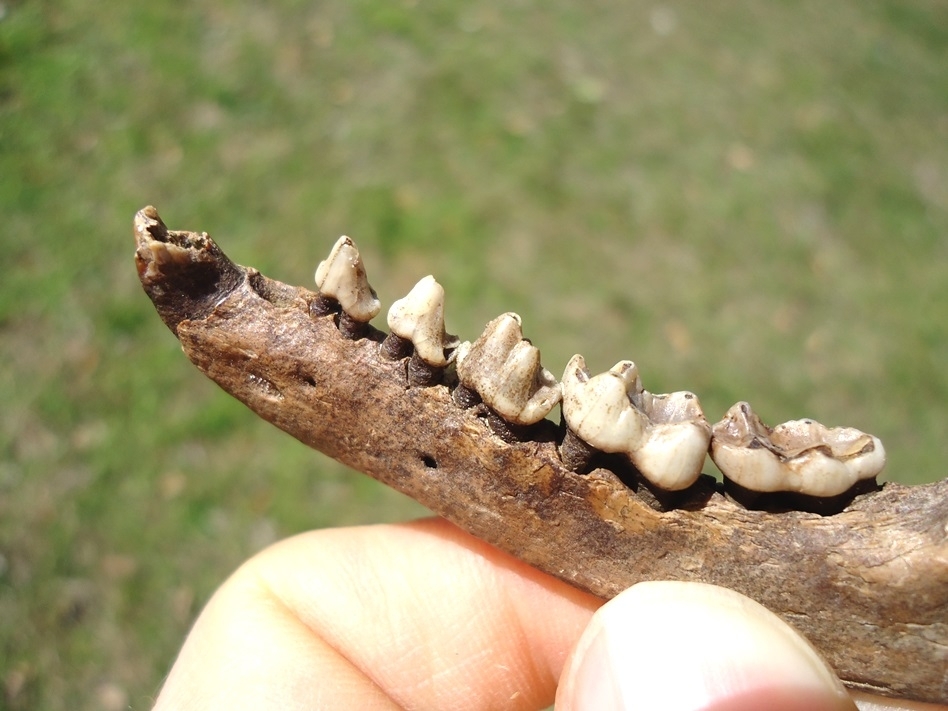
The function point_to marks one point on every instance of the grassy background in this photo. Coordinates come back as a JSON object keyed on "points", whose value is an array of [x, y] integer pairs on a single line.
{"points": [[750, 200]]}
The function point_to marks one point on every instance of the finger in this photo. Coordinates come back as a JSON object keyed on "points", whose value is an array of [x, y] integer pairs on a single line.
{"points": [[686, 646], [416, 615]]}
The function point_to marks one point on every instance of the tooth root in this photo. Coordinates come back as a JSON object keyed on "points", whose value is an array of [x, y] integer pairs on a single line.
{"points": [[394, 347], [799, 456], [575, 452], [505, 371], [419, 318], [665, 436], [341, 278]]}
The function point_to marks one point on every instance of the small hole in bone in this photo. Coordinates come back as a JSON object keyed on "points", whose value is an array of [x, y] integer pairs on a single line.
{"points": [[265, 386], [429, 461]]}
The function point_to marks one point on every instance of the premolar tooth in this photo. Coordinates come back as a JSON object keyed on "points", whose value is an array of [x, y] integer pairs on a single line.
{"points": [[504, 369], [419, 318], [800, 456], [598, 410], [665, 436], [341, 278]]}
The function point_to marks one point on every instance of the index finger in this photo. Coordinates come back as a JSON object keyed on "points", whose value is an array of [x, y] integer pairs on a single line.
{"points": [[417, 615]]}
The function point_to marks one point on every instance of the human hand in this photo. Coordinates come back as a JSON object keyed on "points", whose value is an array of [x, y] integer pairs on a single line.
{"points": [[424, 616]]}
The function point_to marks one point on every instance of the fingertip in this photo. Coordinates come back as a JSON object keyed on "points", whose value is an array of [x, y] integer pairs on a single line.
{"points": [[682, 646]]}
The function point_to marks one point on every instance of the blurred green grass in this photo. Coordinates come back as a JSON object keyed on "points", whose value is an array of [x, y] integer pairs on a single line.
{"points": [[750, 200]]}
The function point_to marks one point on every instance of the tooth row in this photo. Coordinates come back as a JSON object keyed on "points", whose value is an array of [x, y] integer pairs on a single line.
{"points": [[665, 436]]}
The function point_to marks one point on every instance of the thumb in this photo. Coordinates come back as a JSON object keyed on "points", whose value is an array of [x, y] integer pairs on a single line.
{"points": [[686, 646]]}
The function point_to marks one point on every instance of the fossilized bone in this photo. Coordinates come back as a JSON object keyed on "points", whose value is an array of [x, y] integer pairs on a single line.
{"points": [[868, 584]]}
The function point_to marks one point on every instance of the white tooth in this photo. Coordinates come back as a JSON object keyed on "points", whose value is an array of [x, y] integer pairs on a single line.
{"points": [[598, 409], [665, 436], [419, 318], [505, 371], [677, 444], [460, 353], [342, 277], [799, 456]]}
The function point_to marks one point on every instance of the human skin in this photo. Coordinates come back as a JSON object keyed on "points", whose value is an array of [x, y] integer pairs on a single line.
{"points": [[422, 615]]}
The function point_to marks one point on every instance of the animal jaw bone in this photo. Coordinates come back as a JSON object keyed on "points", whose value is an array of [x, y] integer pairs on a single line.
{"points": [[868, 585], [801, 455]]}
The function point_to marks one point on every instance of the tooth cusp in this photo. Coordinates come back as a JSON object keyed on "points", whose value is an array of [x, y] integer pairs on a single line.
{"points": [[665, 436], [800, 456], [598, 409], [341, 277], [505, 371], [674, 453], [419, 318]]}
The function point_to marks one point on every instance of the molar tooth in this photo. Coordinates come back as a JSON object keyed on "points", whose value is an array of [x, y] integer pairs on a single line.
{"points": [[672, 456], [419, 319], [799, 456], [341, 278], [665, 436], [505, 371]]}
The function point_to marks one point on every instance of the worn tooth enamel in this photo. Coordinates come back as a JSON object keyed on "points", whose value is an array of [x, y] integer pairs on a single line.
{"points": [[674, 452], [341, 277], [665, 436], [460, 353], [419, 318], [799, 456], [598, 409], [504, 369]]}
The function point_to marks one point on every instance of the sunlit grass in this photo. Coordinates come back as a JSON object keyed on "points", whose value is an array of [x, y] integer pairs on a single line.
{"points": [[749, 201]]}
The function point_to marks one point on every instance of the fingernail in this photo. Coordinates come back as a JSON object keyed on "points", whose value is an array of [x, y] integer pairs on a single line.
{"points": [[684, 646], [595, 683]]}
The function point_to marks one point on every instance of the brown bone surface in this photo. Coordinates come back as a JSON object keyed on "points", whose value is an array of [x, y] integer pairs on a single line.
{"points": [[868, 586]]}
